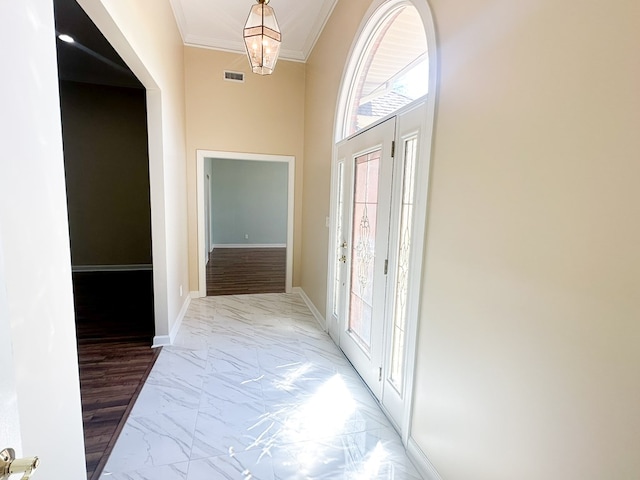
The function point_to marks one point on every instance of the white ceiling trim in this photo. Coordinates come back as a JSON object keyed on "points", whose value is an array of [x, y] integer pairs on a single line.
{"points": [[297, 14], [237, 47], [178, 13], [321, 21]]}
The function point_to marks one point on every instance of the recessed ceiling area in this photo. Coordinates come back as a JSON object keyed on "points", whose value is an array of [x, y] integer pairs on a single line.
{"points": [[219, 23], [90, 58]]}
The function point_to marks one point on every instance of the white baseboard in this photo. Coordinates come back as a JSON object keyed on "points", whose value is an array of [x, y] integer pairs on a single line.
{"points": [[112, 268], [250, 245], [421, 462], [316, 313], [161, 341], [165, 340]]}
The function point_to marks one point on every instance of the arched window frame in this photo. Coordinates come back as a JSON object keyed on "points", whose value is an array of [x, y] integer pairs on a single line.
{"points": [[375, 19]]}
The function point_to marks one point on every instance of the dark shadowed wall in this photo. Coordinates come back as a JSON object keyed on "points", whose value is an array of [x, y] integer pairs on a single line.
{"points": [[107, 174]]}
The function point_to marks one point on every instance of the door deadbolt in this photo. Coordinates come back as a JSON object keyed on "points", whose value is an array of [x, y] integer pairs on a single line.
{"points": [[9, 465]]}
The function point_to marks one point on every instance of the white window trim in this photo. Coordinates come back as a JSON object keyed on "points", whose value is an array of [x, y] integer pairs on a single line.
{"points": [[373, 19]]}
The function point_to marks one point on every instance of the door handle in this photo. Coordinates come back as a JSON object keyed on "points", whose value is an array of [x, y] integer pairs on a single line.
{"points": [[9, 465]]}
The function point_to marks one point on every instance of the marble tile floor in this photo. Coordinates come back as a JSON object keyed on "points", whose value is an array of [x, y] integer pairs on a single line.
{"points": [[253, 389]]}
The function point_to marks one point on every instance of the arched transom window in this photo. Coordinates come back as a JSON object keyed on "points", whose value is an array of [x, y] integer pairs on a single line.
{"points": [[389, 67]]}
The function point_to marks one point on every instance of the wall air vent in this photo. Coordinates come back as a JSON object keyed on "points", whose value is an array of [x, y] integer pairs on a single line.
{"points": [[234, 76]]}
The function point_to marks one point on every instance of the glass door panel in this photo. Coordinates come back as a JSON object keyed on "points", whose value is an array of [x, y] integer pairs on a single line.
{"points": [[339, 244], [363, 246], [399, 320]]}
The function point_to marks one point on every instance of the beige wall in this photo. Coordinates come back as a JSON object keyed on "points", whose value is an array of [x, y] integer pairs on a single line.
{"points": [[324, 73], [264, 115], [35, 265], [528, 359], [529, 365], [145, 35]]}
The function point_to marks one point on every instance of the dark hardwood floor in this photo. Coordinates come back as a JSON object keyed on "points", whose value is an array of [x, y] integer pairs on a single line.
{"points": [[237, 271], [115, 328]]}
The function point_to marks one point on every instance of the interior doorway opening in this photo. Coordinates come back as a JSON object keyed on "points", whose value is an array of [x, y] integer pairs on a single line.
{"points": [[246, 226], [252, 231], [105, 136]]}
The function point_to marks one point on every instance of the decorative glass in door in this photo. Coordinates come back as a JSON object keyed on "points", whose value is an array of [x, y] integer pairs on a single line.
{"points": [[339, 244], [396, 374], [365, 215]]}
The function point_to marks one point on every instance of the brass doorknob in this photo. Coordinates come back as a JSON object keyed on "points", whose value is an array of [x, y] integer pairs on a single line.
{"points": [[9, 465]]}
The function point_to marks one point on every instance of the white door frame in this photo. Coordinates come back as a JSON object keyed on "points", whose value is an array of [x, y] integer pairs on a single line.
{"points": [[9, 416], [201, 155], [207, 217], [422, 178]]}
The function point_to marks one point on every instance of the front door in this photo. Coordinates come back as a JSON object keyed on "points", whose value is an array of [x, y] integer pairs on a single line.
{"points": [[379, 195], [367, 180]]}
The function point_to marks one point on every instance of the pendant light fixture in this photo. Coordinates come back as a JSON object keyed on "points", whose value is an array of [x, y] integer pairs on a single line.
{"points": [[262, 38]]}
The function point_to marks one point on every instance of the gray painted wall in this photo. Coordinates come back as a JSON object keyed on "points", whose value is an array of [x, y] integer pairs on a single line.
{"points": [[248, 198]]}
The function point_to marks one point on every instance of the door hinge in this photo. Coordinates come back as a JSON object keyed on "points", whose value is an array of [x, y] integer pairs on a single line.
{"points": [[393, 149], [380, 374], [386, 266]]}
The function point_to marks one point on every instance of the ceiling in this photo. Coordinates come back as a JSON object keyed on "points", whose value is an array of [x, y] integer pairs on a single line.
{"points": [[205, 23], [91, 58], [218, 23]]}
